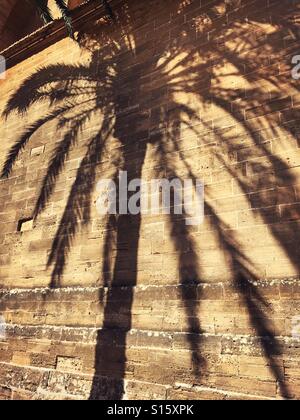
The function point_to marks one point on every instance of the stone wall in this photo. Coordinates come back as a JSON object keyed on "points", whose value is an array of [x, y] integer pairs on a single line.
{"points": [[17, 22], [148, 306]]}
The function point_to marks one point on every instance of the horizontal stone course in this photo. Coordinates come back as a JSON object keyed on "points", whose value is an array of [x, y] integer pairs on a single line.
{"points": [[128, 307]]}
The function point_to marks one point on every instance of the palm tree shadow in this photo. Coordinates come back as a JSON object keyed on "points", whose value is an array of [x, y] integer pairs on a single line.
{"points": [[244, 282], [77, 94]]}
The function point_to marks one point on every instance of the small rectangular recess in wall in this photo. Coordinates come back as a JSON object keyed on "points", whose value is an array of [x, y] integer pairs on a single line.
{"points": [[37, 151], [25, 225]]}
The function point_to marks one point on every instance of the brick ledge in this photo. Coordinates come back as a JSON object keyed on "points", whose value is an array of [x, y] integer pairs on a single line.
{"points": [[53, 32]]}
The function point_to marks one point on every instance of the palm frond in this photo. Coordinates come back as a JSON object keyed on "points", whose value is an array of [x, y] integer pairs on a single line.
{"points": [[57, 163], [46, 15], [108, 9], [78, 207], [24, 139], [43, 85], [44, 11]]}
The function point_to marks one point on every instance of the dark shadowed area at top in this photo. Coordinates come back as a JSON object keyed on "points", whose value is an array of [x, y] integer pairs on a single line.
{"points": [[185, 63]]}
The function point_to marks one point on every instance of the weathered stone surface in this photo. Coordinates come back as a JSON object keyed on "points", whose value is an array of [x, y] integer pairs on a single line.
{"points": [[150, 307]]}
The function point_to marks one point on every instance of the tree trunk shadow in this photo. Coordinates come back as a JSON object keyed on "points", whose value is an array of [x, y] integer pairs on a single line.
{"points": [[110, 354]]}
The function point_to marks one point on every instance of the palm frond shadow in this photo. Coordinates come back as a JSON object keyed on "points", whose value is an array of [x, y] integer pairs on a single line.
{"points": [[76, 93]]}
